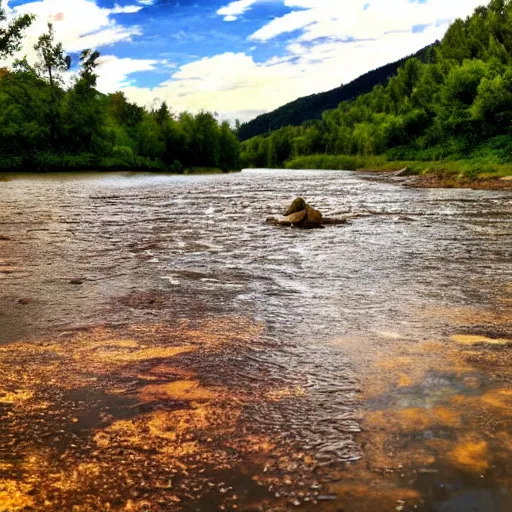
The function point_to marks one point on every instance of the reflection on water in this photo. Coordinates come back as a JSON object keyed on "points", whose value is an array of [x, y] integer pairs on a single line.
{"points": [[160, 341]]}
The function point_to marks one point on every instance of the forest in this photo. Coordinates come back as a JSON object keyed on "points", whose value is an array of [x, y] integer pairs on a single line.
{"points": [[455, 110], [46, 125], [312, 107]]}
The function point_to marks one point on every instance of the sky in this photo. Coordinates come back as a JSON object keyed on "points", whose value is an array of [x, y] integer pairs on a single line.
{"points": [[240, 58]]}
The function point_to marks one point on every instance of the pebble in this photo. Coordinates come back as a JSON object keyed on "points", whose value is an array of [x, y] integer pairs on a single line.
{"points": [[326, 497]]}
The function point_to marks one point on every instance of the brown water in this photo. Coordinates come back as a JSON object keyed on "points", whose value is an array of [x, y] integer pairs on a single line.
{"points": [[165, 349]]}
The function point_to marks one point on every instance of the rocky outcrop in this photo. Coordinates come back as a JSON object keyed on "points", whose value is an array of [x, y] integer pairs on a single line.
{"points": [[301, 215]]}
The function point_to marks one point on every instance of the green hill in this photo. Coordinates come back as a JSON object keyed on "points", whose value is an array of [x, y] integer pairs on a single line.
{"points": [[311, 107], [452, 111]]}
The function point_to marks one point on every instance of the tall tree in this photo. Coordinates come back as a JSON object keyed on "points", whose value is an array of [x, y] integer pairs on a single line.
{"points": [[84, 112], [53, 61]]}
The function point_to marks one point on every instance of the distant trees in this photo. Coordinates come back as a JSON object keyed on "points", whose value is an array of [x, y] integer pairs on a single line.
{"points": [[45, 124], [456, 101]]}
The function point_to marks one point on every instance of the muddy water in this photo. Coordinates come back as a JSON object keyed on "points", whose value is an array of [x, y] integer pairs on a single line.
{"points": [[162, 348]]}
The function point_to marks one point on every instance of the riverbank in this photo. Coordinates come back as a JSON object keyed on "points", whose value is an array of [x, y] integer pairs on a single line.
{"points": [[438, 180], [474, 174], [194, 171]]}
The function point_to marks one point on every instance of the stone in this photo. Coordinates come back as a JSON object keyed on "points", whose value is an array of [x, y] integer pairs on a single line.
{"points": [[298, 205], [297, 218], [314, 218], [302, 215], [76, 282], [4, 238]]}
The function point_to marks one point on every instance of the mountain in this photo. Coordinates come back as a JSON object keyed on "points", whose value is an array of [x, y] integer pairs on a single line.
{"points": [[312, 107]]}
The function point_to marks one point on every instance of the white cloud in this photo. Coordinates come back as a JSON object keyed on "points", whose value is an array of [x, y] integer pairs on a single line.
{"points": [[232, 11], [126, 9], [114, 72], [236, 86], [78, 24], [338, 19]]}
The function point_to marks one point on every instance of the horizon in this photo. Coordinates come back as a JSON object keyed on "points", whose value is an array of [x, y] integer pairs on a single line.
{"points": [[242, 58]]}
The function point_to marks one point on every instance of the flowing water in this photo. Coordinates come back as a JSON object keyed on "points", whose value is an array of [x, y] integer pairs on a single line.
{"points": [[163, 348]]}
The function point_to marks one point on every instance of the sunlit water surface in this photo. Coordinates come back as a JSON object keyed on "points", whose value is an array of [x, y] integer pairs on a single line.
{"points": [[351, 320]]}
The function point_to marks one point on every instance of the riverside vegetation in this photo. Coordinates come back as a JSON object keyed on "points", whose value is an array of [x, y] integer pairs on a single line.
{"points": [[45, 125], [450, 113]]}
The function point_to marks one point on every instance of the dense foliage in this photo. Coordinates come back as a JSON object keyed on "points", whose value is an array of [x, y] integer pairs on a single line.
{"points": [[312, 107], [457, 106], [45, 125]]}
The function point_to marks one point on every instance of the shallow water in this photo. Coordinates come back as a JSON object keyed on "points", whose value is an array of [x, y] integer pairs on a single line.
{"points": [[341, 344]]}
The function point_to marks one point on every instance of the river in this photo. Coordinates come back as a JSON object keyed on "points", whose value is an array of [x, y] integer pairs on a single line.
{"points": [[163, 348]]}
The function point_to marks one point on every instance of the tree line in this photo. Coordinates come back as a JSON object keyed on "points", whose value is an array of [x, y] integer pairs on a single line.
{"points": [[45, 125], [455, 105]]}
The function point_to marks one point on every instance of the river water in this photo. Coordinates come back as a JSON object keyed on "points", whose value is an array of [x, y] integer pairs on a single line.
{"points": [[163, 348]]}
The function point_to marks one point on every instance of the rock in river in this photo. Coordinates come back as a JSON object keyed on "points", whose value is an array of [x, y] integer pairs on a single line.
{"points": [[301, 215]]}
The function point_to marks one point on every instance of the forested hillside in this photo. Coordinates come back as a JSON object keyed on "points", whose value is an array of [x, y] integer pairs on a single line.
{"points": [[312, 107], [45, 125], [456, 107]]}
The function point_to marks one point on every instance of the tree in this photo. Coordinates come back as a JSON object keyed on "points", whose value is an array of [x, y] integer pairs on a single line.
{"points": [[89, 62], [493, 104], [162, 115], [11, 34], [52, 58], [84, 112], [229, 148], [52, 62]]}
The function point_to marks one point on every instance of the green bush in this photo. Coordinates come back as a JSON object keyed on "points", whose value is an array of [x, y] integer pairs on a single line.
{"points": [[177, 167]]}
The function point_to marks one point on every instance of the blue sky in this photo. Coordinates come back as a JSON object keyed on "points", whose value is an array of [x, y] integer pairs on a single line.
{"points": [[238, 58]]}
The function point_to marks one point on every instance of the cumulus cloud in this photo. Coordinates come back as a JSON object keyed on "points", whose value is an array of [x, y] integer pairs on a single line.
{"points": [[113, 72], [78, 24], [235, 85], [336, 42]]}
